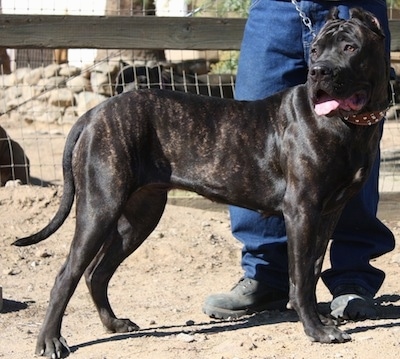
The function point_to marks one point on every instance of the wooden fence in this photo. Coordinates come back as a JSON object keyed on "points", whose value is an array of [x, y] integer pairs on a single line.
{"points": [[129, 32]]}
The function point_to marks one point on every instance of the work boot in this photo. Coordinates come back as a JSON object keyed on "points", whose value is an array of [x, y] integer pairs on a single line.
{"points": [[247, 297], [352, 302]]}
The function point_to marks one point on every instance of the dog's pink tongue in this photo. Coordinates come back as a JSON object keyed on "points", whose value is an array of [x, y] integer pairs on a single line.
{"points": [[326, 107]]}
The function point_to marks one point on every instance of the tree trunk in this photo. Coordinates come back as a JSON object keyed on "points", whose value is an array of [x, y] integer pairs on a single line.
{"points": [[132, 8], [5, 67]]}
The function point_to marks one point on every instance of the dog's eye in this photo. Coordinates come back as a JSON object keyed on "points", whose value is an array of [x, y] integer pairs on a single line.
{"points": [[314, 51], [349, 48]]}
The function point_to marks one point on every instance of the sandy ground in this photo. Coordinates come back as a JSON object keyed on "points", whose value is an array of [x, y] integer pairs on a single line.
{"points": [[162, 287]]}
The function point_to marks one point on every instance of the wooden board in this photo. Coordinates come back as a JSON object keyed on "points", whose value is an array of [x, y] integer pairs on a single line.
{"points": [[120, 32]]}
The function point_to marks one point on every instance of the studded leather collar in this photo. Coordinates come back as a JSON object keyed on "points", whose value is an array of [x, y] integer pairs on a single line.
{"points": [[365, 119]]}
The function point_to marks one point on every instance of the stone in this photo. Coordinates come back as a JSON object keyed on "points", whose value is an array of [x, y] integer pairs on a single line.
{"points": [[69, 71], [69, 116], [87, 100], [62, 97], [8, 80], [33, 77], [100, 83], [51, 82], [40, 111], [78, 84], [51, 70], [21, 73], [103, 76], [187, 338]]}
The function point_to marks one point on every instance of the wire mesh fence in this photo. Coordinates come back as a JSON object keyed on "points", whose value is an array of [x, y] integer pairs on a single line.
{"points": [[44, 91]]}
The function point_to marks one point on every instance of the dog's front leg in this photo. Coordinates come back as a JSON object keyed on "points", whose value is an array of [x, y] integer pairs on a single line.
{"points": [[308, 234]]}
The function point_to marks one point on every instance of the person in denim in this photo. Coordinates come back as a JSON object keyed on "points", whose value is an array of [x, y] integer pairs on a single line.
{"points": [[273, 57]]}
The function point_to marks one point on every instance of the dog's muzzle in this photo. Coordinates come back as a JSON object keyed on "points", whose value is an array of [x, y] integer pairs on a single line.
{"points": [[326, 101]]}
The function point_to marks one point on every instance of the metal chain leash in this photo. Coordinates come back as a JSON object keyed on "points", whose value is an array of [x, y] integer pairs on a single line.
{"points": [[306, 20]]}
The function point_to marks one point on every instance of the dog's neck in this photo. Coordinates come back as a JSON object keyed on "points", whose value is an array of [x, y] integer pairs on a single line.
{"points": [[365, 119]]}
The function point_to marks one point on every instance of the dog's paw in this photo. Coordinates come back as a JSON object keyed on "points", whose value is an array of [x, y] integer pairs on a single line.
{"points": [[329, 334], [329, 321], [54, 348], [122, 326]]}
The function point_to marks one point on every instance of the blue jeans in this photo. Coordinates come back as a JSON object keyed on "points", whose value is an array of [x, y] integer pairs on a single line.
{"points": [[274, 56]]}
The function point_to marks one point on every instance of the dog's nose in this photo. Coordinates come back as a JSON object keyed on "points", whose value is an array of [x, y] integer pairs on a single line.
{"points": [[320, 71]]}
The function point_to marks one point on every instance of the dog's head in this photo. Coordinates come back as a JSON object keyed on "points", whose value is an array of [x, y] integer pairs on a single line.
{"points": [[349, 68]]}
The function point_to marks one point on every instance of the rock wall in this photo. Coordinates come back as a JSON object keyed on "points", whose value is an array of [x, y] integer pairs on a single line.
{"points": [[55, 93], [59, 93]]}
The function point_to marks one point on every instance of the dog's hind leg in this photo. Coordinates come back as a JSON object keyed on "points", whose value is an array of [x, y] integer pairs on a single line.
{"points": [[139, 218], [95, 222]]}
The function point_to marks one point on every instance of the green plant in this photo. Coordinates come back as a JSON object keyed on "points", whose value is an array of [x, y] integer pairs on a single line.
{"points": [[227, 64], [239, 7], [226, 8]]}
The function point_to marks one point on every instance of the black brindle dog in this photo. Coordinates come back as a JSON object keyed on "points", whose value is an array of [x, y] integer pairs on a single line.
{"points": [[301, 153]]}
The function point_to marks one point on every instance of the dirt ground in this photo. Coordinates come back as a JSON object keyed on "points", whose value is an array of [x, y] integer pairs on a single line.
{"points": [[162, 287]]}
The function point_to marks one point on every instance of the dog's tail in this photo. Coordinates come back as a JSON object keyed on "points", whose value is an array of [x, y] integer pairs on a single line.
{"points": [[68, 196]]}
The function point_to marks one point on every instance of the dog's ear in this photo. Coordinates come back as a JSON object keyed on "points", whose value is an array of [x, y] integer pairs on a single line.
{"points": [[367, 19], [333, 14]]}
